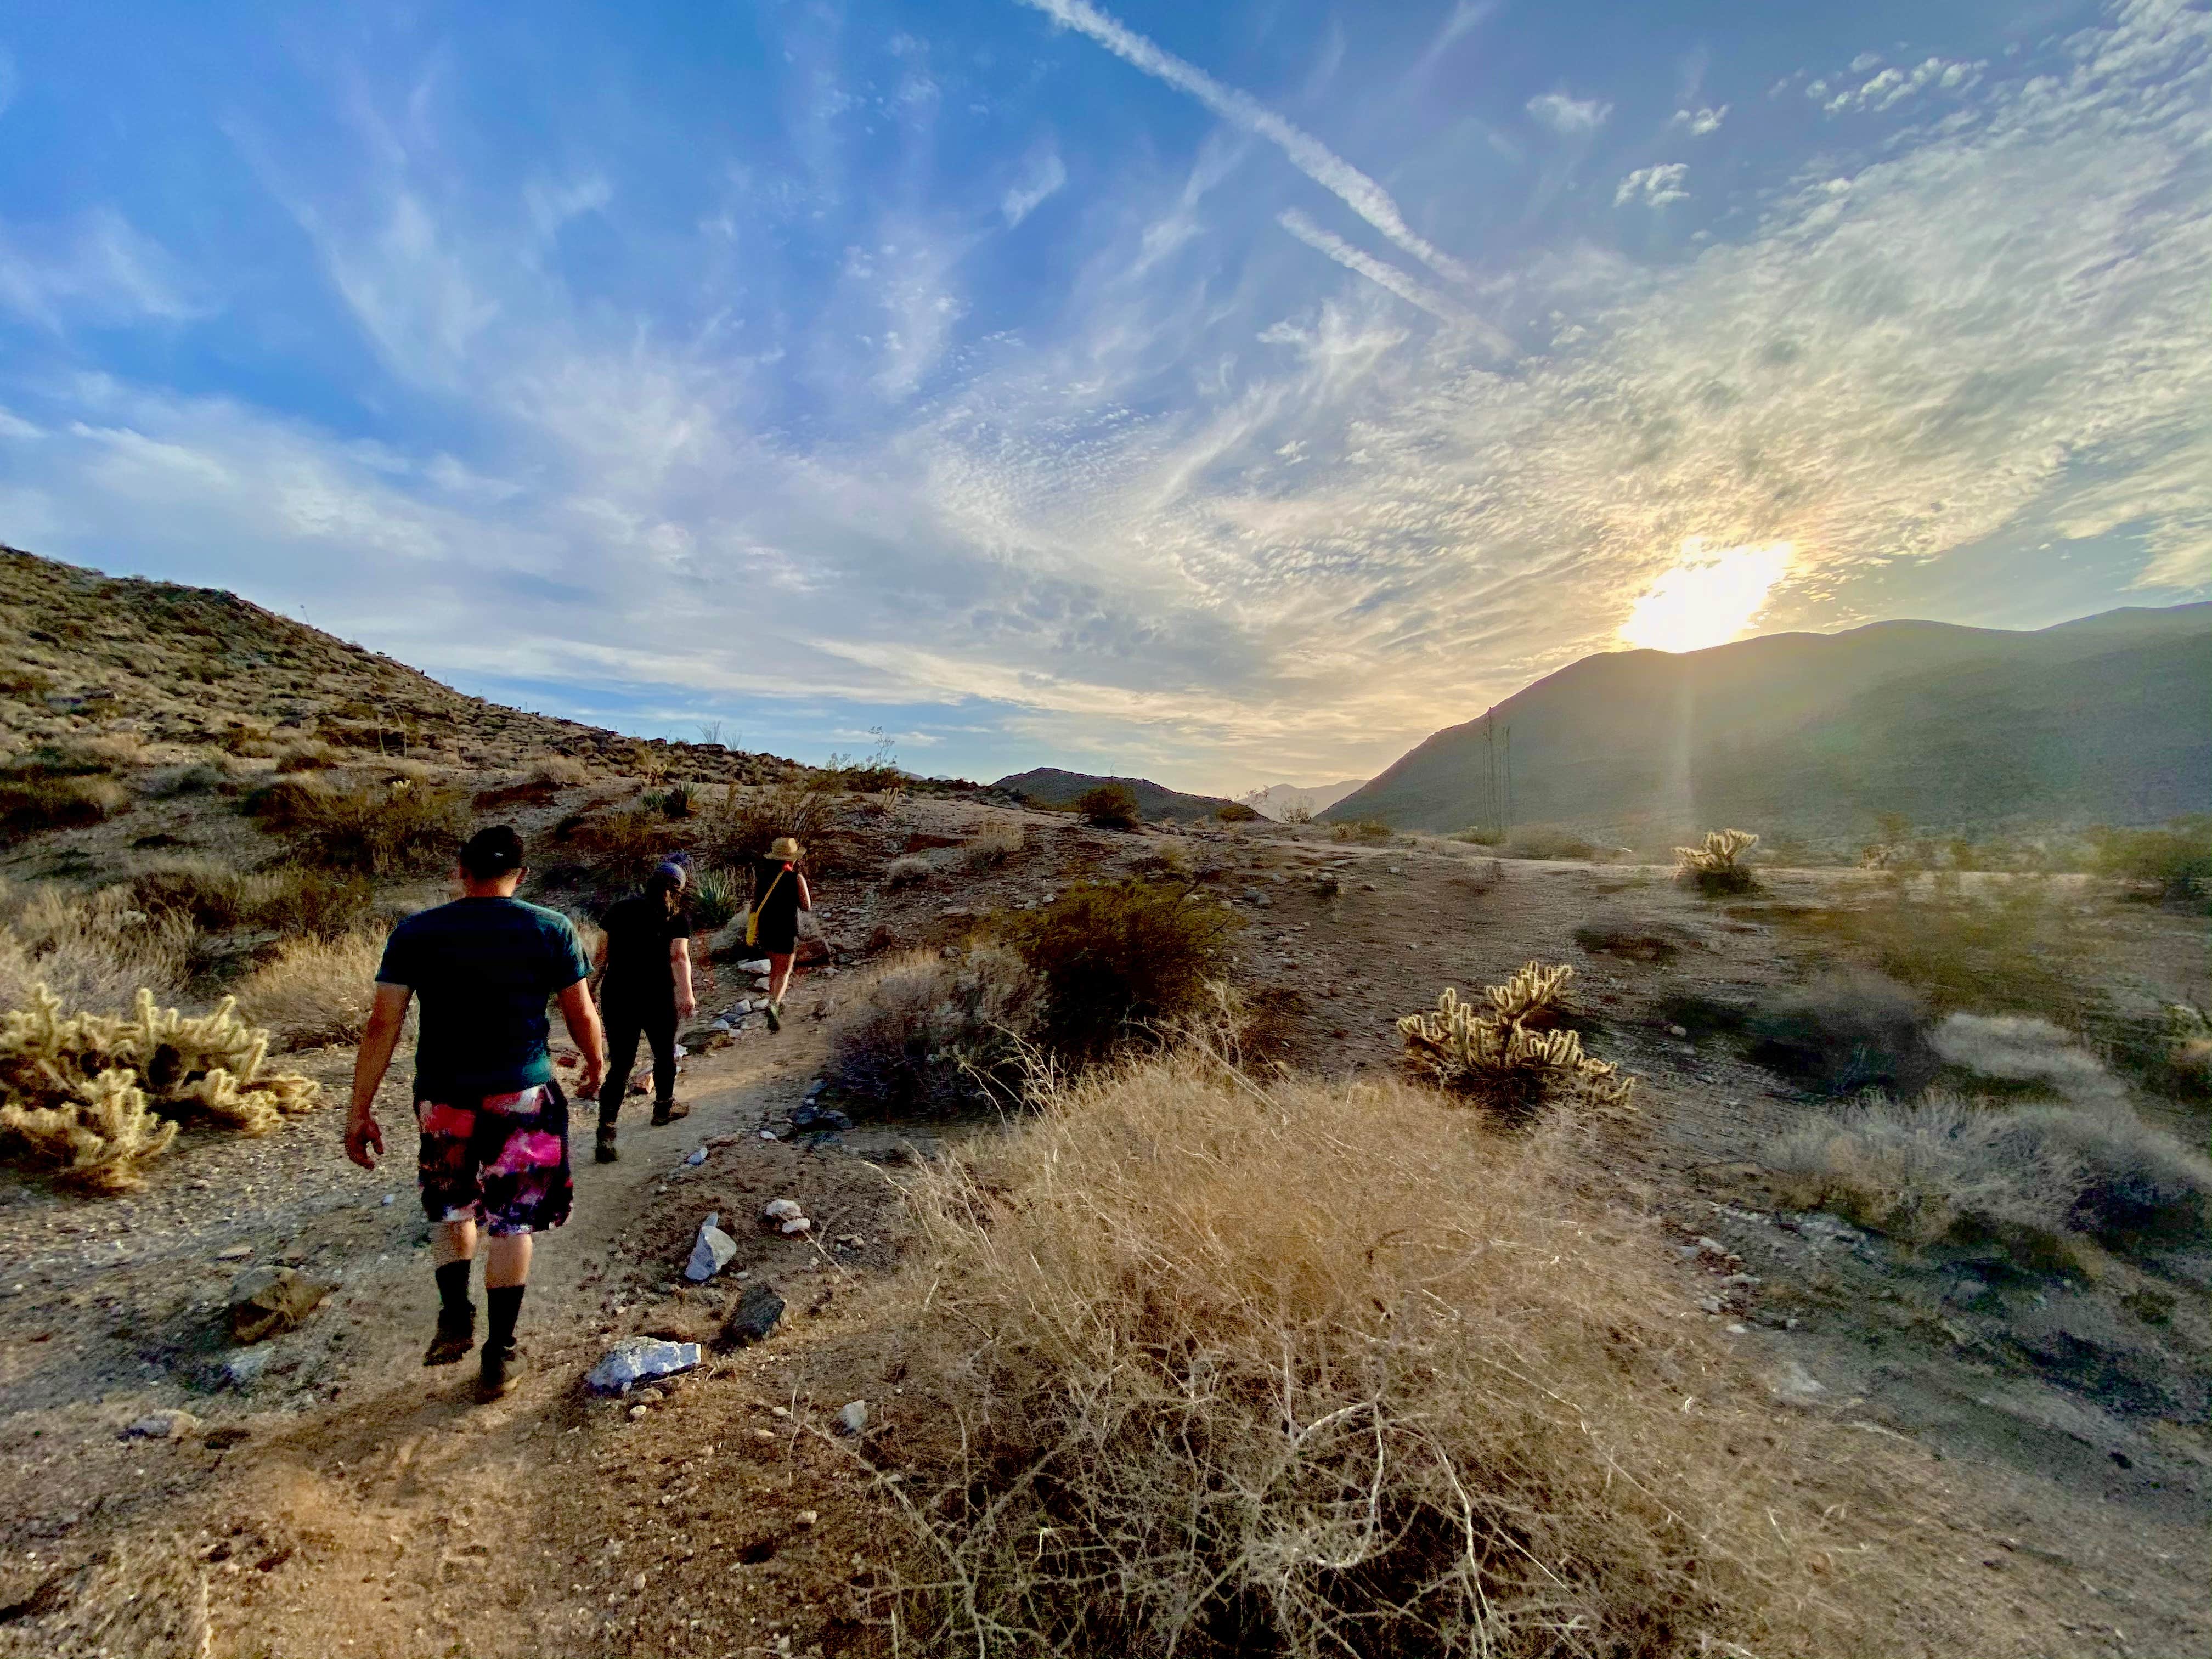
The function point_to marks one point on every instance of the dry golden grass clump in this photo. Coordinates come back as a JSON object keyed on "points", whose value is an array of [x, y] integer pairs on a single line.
{"points": [[1509, 1056], [997, 839], [91, 1097], [2031, 1176], [1717, 865], [317, 991], [1209, 1367]]}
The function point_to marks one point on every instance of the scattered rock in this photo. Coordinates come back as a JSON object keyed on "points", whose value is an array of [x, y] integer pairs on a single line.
{"points": [[1792, 1381], [389, 1198], [780, 1209], [797, 1226], [753, 1318], [819, 1119], [233, 1252], [769, 1134], [170, 1425], [710, 1252], [756, 966], [243, 1369], [853, 1417], [636, 1359], [696, 1157], [704, 1039], [812, 1517], [267, 1300], [1678, 1031]]}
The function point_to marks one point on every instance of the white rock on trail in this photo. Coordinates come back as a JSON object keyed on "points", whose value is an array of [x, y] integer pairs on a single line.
{"points": [[853, 1417], [636, 1359], [710, 1252], [780, 1209]]}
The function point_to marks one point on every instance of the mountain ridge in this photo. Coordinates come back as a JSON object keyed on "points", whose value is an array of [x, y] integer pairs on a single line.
{"points": [[2087, 720]]}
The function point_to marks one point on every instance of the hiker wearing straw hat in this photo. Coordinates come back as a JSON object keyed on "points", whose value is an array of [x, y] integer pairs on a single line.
{"points": [[780, 895]]}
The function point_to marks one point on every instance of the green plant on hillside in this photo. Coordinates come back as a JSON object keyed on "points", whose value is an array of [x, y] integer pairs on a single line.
{"points": [[90, 1099], [57, 787], [2174, 861], [1237, 812], [713, 897], [1715, 865], [1108, 806], [1508, 1055], [1119, 963]]}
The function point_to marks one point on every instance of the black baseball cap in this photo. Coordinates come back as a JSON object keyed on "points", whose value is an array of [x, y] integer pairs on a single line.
{"points": [[491, 853]]}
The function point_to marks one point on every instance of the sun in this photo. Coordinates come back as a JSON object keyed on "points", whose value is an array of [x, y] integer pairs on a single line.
{"points": [[1708, 598]]}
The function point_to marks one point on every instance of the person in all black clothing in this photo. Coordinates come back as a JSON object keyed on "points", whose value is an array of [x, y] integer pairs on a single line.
{"points": [[779, 894], [645, 987]]}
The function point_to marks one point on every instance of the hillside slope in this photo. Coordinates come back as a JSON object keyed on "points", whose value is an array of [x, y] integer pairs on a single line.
{"points": [[84, 653], [1280, 800], [1048, 786], [2103, 720]]}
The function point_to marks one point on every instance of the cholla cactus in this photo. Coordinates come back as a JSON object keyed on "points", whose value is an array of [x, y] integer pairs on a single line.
{"points": [[1497, 1055], [1531, 992], [1717, 866], [93, 1097]]}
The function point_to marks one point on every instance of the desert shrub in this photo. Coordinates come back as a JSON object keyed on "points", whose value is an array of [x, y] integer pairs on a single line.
{"points": [[90, 1099], [170, 782], [2176, 861], [370, 829], [997, 839], [1118, 961], [562, 772], [317, 991], [928, 1035], [1217, 1367], [1846, 1031], [1237, 812], [2015, 1050], [1945, 1169], [32, 799], [911, 871], [1506, 1051], [619, 847], [714, 897], [1547, 840], [1108, 806], [1363, 829], [94, 953], [289, 899], [523, 792], [1481, 836], [2016, 949], [1715, 865], [809, 807], [309, 757]]}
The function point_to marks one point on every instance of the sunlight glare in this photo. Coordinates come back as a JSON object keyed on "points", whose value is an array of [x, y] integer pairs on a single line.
{"points": [[1708, 598]]}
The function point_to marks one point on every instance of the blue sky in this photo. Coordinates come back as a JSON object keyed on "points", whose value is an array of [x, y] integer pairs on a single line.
{"points": [[1228, 393]]}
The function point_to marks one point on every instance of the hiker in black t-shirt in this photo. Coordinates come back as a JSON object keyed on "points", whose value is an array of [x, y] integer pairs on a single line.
{"points": [[779, 894], [645, 987]]}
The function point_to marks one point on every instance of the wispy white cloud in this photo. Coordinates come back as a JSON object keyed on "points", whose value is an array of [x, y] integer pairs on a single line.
{"points": [[1043, 175], [1307, 153], [1382, 273], [1894, 86], [1702, 121], [1571, 118], [1653, 187], [96, 268]]}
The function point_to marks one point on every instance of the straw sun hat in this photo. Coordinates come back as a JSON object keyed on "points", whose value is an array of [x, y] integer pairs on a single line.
{"points": [[784, 848]]}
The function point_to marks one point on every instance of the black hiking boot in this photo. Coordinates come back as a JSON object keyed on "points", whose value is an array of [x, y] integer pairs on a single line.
{"points": [[774, 1016], [605, 1152], [457, 1334], [496, 1372], [668, 1111]]}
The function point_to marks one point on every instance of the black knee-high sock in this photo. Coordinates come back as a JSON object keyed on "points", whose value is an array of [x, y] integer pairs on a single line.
{"points": [[504, 1302], [454, 1291]]}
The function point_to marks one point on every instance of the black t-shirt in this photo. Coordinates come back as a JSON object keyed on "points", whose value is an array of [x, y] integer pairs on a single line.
{"points": [[775, 898], [638, 935]]}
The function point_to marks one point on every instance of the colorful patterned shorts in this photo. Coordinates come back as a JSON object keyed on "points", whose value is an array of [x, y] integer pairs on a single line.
{"points": [[501, 1161]]}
